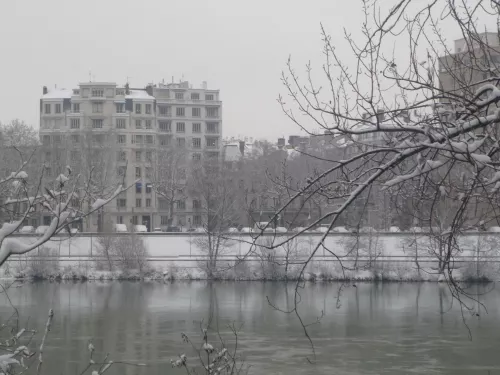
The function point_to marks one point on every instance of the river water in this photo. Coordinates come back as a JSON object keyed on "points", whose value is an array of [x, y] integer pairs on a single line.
{"points": [[372, 329]]}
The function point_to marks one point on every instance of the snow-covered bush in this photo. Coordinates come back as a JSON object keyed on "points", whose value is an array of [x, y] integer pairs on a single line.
{"points": [[43, 263]]}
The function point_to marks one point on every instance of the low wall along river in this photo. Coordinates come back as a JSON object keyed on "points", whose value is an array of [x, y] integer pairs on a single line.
{"points": [[397, 255]]}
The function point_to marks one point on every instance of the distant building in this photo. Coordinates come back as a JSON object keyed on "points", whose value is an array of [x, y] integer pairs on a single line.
{"points": [[117, 130], [468, 64]]}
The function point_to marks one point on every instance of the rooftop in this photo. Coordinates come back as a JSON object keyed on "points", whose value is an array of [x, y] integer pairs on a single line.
{"points": [[58, 94]]}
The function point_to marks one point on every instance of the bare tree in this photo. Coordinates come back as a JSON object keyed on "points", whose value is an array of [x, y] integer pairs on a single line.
{"points": [[25, 196], [212, 185], [169, 177], [405, 119]]}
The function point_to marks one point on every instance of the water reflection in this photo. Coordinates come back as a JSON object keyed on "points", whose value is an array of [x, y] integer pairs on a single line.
{"points": [[379, 328]]}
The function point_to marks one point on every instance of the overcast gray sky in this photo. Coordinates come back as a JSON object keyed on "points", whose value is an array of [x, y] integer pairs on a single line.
{"points": [[239, 47]]}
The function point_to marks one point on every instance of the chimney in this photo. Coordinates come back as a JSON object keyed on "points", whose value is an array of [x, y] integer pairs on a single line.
{"points": [[204, 85], [149, 90], [242, 147], [45, 91], [380, 115], [127, 89]]}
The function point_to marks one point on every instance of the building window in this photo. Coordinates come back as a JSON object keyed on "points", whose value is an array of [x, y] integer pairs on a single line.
{"points": [[96, 107], [122, 138], [48, 155], [212, 112], [138, 108], [148, 124], [119, 219], [149, 156], [148, 202], [97, 124], [57, 139], [138, 156], [196, 112], [165, 126], [75, 123], [76, 107], [196, 142], [120, 108], [179, 95], [97, 93], [134, 220], [121, 123], [149, 139], [164, 220], [121, 171], [196, 157], [209, 96], [58, 108], [164, 141], [75, 156], [121, 156], [164, 111], [181, 127], [138, 188], [75, 138], [181, 172], [211, 142], [138, 124], [46, 140], [148, 172], [180, 111], [47, 108], [97, 138], [148, 188], [148, 109], [121, 202], [137, 172], [163, 204], [197, 220], [212, 127], [195, 96], [181, 205], [120, 92], [196, 204], [137, 139], [181, 142], [196, 127]]}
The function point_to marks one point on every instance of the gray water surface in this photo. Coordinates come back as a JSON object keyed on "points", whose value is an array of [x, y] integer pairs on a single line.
{"points": [[377, 329]]}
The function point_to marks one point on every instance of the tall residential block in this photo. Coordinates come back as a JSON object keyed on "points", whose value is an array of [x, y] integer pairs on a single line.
{"points": [[110, 133]]}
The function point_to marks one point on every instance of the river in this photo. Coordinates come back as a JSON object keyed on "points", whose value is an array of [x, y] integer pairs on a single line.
{"points": [[377, 328]]}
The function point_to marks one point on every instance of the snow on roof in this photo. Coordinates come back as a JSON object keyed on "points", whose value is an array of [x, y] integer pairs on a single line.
{"points": [[58, 94], [138, 94]]}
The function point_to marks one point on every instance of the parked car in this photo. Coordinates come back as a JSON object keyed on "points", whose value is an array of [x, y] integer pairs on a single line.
{"points": [[41, 229], [173, 229], [494, 229], [233, 230], [394, 229], [140, 228], [259, 226], [323, 228], [246, 230], [281, 230], [367, 230], [341, 230], [157, 230], [74, 230], [298, 229], [416, 229], [27, 229], [121, 228]]}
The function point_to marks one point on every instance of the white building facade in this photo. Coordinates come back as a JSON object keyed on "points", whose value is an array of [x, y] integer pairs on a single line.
{"points": [[118, 134]]}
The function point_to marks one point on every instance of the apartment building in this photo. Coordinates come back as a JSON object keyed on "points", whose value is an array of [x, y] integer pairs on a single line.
{"points": [[112, 134], [469, 63]]}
